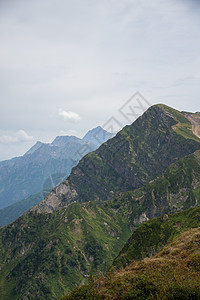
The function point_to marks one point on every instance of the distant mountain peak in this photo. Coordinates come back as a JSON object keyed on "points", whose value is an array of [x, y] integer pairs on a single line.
{"points": [[97, 135], [60, 141], [34, 147], [20, 177]]}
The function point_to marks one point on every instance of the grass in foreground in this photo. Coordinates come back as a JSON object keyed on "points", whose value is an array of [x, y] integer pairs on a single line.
{"points": [[172, 274]]}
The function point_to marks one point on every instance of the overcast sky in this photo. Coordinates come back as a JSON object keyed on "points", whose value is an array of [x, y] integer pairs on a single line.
{"points": [[67, 66]]}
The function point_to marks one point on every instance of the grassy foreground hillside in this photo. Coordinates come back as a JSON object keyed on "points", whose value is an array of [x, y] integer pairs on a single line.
{"points": [[174, 273]]}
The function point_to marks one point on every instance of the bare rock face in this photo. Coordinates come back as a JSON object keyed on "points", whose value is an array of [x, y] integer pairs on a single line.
{"points": [[141, 219], [60, 197]]}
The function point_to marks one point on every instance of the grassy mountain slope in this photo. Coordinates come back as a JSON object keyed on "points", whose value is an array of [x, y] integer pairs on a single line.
{"points": [[55, 252], [55, 246], [171, 274], [150, 237], [178, 188], [65, 247], [184, 127], [137, 154]]}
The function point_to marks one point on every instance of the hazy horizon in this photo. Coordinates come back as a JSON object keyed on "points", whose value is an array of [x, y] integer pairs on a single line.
{"points": [[67, 67]]}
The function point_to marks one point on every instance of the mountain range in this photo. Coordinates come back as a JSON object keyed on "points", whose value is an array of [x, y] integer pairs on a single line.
{"points": [[30, 177], [92, 222]]}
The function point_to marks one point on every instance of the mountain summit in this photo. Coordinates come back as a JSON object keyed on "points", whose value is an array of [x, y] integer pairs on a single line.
{"points": [[97, 136], [137, 154]]}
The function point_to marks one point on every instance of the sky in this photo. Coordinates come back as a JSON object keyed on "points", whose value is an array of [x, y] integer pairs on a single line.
{"points": [[68, 66]]}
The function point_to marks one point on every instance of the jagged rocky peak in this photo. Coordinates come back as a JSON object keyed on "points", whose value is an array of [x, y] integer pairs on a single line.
{"points": [[139, 153]]}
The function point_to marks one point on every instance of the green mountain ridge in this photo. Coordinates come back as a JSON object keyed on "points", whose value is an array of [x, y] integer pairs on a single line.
{"points": [[137, 154], [57, 245]]}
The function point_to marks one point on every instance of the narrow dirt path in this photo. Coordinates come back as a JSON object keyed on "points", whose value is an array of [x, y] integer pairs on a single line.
{"points": [[87, 261], [195, 121]]}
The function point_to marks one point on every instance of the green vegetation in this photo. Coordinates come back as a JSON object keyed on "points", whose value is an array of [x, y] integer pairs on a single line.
{"points": [[152, 236], [54, 253], [138, 154], [177, 189], [171, 274], [146, 171], [66, 247], [183, 126]]}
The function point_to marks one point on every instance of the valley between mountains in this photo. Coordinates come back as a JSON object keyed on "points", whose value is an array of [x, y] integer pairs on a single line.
{"points": [[92, 223]]}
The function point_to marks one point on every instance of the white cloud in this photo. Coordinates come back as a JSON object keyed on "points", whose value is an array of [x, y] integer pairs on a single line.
{"points": [[15, 137], [23, 136], [69, 115]]}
